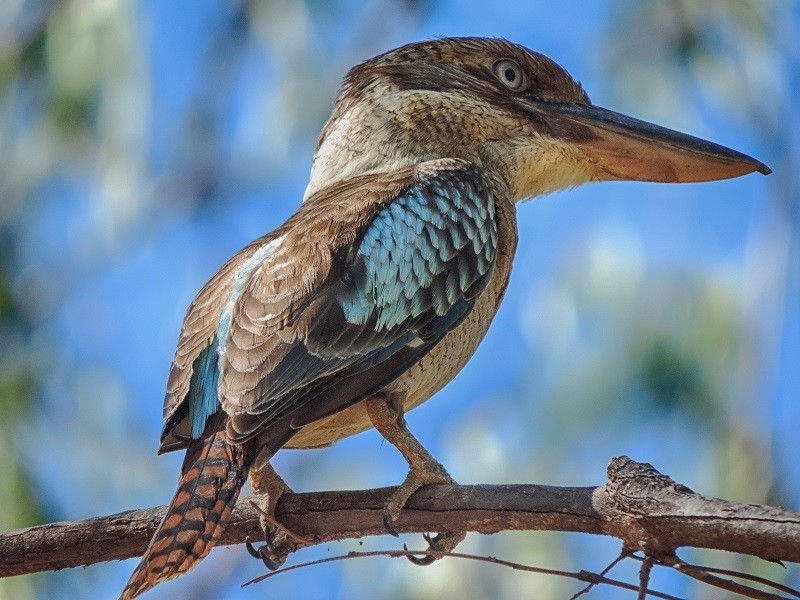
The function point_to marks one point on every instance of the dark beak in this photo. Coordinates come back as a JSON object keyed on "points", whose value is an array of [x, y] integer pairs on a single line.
{"points": [[623, 148]]}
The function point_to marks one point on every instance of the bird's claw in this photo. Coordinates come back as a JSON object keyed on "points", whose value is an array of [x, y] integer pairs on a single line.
{"points": [[272, 558], [438, 545], [420, 561], [434, 542], [273, 551], [250, 548]]}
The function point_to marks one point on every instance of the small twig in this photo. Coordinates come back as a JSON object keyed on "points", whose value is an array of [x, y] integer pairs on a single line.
{"points": [[644, 576], [702, 574], [684, 567], [624, 554], [728, 585], [586, 576], [300, 542], [754, 578]]}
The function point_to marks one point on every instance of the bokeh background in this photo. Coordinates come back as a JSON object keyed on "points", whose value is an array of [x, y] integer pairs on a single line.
{"points": [[144, 142]]}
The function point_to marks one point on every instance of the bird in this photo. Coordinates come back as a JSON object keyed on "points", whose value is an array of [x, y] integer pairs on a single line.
{"points": [[380, 287]]}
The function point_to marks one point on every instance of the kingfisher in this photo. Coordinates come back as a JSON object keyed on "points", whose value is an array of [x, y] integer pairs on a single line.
{"points": [[379, 288]]}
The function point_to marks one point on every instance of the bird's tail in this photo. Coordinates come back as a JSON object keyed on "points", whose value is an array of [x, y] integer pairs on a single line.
{"points": [[212, 475]]}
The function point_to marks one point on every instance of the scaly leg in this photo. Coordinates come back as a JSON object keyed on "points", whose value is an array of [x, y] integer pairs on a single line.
{"points": [[268, 487], [386, 415]]}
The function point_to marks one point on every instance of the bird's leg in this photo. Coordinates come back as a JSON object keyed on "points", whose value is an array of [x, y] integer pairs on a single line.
{"points": [[278, 542], [386, 414]]}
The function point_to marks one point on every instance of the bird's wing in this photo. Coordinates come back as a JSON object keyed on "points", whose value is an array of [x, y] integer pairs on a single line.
{"points": [[360, 284], [191, 395], [197, 335]]}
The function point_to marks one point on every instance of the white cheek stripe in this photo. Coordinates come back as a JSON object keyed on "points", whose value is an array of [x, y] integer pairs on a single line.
{"points": [[240, 279]]}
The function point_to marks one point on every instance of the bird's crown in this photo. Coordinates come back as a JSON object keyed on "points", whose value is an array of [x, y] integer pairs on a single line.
{"points": [[485, 66]]}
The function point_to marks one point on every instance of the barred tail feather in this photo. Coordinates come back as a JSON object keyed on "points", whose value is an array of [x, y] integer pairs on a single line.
{"points": [[212, 475]]}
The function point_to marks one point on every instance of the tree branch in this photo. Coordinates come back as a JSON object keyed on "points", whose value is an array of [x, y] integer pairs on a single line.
{"points": [[645, 509]]}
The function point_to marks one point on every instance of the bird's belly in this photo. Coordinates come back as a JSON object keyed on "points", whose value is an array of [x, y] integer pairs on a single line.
{"points": [[425, 377]]}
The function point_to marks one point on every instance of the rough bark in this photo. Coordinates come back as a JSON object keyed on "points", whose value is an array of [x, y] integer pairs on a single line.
{"points": [[645, 509]]}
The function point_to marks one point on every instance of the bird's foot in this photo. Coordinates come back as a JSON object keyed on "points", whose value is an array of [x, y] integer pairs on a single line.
{"points": [[439, 544], [432, 473], [387, 416], [279, 542]]}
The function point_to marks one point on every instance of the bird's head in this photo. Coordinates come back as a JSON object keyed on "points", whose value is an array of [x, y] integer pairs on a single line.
{"points": [[507, 108]]}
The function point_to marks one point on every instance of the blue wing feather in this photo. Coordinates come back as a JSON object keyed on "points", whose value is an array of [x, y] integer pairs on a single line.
{"points": [[203, 389], [429, 232]]}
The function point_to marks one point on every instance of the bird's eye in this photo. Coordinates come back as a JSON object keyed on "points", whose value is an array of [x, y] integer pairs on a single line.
{"points": [[510, 74]]}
